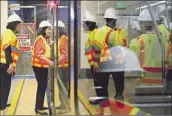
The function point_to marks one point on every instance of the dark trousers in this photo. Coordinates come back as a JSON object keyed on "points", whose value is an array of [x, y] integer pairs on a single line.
{"points": [[42, 80], [168, 90], [101, 83], [64, 75], [5, 85]]}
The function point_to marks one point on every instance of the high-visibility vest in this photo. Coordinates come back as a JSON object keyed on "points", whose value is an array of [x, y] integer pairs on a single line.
{"points": [[35, 60], [163, 30], [89, 48], [135, 46], [9, 38], [150, 52], [105, 38], [61, 48]]}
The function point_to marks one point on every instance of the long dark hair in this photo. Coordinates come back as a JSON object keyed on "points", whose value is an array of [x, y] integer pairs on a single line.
{"points": [[62, 31], [42, 31], [12, 25], [91, 25]]}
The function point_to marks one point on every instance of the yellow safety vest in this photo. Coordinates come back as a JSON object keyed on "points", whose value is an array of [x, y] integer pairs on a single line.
{"points": [[105, 38], [35, 60], [89, 49], [9, 38]]}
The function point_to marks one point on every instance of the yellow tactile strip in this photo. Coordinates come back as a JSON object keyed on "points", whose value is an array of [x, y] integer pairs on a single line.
{"points": [[91, 109], [15, 99]]}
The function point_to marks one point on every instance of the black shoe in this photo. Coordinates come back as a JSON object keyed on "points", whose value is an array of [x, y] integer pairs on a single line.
{"points": [[41, 112]]}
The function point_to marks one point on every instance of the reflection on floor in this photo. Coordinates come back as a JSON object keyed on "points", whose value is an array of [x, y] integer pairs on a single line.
{"points": [[86, 87]]}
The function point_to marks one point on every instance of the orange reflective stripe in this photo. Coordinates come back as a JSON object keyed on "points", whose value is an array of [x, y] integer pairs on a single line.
{"points": [[125, 42], [107, 36], [15, 53], [141, 57]]}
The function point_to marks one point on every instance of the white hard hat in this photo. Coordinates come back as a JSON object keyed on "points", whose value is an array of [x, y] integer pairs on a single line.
{"points": [[89, 17], [45, 24], [145, 14], [14, 17], [61, 24], [110, 13]]}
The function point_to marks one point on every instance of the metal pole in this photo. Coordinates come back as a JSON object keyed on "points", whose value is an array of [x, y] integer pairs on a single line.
{"points": [[69, 47], [168, 23], [161, 44], [76, 60]]}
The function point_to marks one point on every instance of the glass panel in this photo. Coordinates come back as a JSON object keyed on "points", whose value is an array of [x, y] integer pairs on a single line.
{"points": [[137, 65]]}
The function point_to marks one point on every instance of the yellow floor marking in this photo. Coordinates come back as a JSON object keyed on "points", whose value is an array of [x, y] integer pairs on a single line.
{"points": [[91, 109], [15, 98]]}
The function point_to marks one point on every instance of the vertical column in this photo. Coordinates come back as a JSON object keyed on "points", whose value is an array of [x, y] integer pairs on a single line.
{"points": [[4, 15]]}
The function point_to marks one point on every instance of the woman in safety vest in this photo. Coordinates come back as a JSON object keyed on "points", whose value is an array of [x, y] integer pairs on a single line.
{"points": [[40, 63], [63, 54], [106, 37], [9, 55], [63, 65], [89, 25]]}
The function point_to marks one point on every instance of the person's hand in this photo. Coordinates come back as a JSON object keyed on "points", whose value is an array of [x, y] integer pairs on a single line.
{"points": [[51, 64], [10, 69], [96, 67]]}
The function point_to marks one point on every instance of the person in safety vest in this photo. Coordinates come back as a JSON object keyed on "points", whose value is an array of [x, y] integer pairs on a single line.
{"points": [[89, 25], [148, 44], [106, 37], [63, 54], [63, 63], [9, 55], [40, 63]]}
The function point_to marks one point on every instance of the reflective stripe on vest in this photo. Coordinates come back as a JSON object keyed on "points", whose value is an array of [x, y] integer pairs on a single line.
{"points": [[9, 38], [106, 54], [150, 55], [36, 61], [89, 49]]}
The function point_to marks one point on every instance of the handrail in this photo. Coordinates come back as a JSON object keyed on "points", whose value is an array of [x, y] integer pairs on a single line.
{"points": [[161, 44]]}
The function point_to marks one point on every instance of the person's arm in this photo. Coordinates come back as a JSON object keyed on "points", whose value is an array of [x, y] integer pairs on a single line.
{"points": [[89, 52], [39, 51], [15, 52]]}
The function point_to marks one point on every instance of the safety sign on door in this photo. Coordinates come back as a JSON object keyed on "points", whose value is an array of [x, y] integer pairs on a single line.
{"points": [[24, 40]]}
